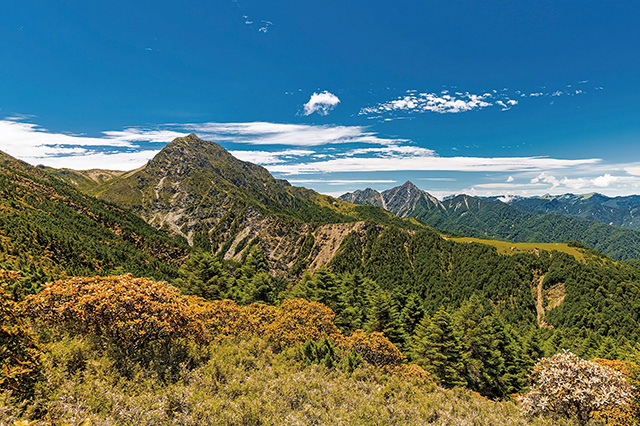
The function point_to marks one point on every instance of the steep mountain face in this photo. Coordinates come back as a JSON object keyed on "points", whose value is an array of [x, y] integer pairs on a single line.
{"points": [[617, 211], [196, 189], [477, 217], [365, 196], [49, 229], [405, 201]]}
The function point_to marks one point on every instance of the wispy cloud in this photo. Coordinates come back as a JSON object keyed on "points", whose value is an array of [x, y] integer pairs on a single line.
{"points": [[307, 153], [336, 182], [264, 26], [266, 158], [442, 103], [430, 163], [262, 133], [322, 103], [37, 145], [576, 183]]}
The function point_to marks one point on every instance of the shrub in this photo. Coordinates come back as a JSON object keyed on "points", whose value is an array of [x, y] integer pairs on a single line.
{"points": [[19, 353], [130, 312], [570, 386], [374, 348], [626, 414], [298, 320]]}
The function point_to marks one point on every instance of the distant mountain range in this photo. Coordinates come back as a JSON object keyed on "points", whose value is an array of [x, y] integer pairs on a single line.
{"points": [[617, 211], [589, 219]]}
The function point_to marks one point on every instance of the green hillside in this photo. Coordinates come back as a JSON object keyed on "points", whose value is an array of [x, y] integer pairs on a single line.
{"points": [[506, 247], [618, 211], [49, 229]]}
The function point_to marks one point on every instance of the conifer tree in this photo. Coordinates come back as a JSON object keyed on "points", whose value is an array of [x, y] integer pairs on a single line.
{"points": [[354, 297], [203, 275], [437, 347], [385, 317]]}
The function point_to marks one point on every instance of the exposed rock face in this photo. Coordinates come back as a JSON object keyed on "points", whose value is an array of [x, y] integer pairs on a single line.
{"points": [[365, 196], [403, 200]]}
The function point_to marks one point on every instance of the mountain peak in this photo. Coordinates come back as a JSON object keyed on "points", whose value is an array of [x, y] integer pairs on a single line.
{"points": [[409, 185]]}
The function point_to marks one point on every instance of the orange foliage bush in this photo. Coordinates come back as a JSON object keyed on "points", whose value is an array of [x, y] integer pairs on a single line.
{"points": [[19, 354], [374, 348], [410, 371], [221, 318], [131, 312], [299, 320], [621, 415]]}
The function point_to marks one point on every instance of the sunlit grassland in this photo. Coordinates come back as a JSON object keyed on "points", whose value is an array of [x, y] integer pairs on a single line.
{"points": [[508, 248]]}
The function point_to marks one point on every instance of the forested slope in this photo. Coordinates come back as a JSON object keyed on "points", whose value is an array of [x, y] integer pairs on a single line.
{"points": [[49, 229]]}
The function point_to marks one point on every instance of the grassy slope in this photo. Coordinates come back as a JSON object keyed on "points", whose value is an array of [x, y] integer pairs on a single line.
{"points": [[84, 180], [245, 382], [509, 248]]}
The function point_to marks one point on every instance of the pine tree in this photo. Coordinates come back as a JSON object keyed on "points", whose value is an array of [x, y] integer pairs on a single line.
{"points": [[354, 297]]}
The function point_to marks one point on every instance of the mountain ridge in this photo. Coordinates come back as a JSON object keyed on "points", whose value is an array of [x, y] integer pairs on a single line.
{"points": [[50, 229], [490, 218]]}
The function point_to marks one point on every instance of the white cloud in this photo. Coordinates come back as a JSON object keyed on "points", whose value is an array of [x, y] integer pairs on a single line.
{"points": [[88, 159], [264, 28], [507, 198], [344, 149], [266, 157], [115, 149], [340, 182], [605, 180], [321, 103], [447, 103], [633, 170], [576, 183], [143, 135], [442, 103]]}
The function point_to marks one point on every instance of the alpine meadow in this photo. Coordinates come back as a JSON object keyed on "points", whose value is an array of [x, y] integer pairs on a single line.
{"points": [[294, 213]]}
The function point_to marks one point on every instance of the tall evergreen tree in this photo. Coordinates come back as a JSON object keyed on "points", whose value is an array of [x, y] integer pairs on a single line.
{"points": [[437, 347], [203, 275], [354, 298], [385, 317]]}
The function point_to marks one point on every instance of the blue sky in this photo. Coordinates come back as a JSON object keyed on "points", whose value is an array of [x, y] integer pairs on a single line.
{"points": [[487, 98]]}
